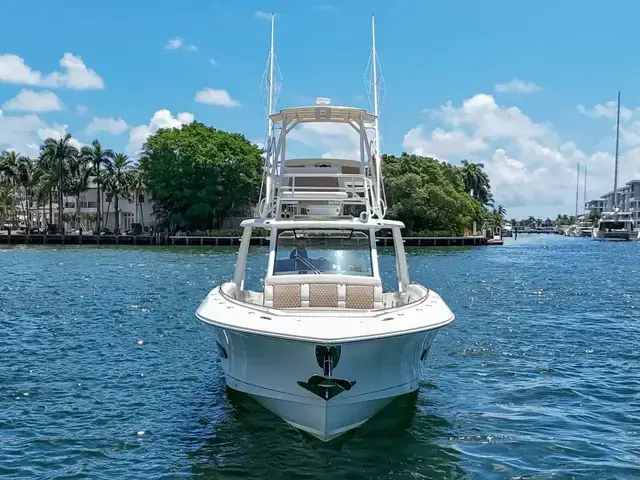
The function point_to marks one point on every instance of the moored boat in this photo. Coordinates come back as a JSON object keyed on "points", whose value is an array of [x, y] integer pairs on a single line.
{"points": [[322, 344]]}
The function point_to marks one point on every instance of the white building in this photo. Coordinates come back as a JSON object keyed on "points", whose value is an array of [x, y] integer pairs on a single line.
{"points": [[129, 211], [594, 206]]}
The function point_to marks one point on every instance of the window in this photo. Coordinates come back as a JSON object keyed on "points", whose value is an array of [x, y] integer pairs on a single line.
{"points": [[141, 198], [323, 251]]}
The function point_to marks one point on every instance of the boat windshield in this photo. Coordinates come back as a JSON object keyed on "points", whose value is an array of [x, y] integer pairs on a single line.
{"points": [[613, 225], [336, 252]]}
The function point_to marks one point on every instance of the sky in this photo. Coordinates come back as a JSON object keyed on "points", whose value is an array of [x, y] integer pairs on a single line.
{"points": [[526, 88]]}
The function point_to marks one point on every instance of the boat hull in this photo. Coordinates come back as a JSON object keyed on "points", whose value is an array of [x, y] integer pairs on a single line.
{"points": [[618, 236], [289, 377]]}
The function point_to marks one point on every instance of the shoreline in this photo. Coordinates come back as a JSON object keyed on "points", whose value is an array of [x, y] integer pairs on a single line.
{"points": [[162, 240]]}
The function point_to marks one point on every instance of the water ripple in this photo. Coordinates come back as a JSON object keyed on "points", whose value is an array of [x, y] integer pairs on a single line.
{"points": [[106, 373]]}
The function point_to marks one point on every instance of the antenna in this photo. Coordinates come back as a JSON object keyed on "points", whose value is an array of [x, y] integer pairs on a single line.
{"points": [[615, 169], [271, 63], [375, 87], [374, 71], [272, 86], [577, 188]]}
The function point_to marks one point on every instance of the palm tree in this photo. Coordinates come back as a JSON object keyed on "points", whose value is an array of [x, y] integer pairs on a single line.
{"points": [[27, 178], [476, 182], [17, 173], [60, 155], [48, 180], [498, 214], [79, 182], [98, 157], [8, 174], [137, 186], [118, 183]]}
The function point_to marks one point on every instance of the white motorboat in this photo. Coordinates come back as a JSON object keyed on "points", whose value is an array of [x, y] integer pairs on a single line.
{"points": [[583, 227], [322, 345], [615, 226]]}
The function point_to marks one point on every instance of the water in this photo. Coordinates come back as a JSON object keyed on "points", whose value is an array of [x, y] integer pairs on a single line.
{"points": [[105, 372]]}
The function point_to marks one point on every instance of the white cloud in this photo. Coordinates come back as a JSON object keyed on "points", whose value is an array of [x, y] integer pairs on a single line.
{"points": [[606, 110], [75, 74], [82, 109], [24, 134], [30, 101], [482, 113], [532, 171], [110, 125], [263, 15], [177, 43], [219, 97], [57, 131], [213, 62], [161, 119], [441, 144], [517, 86], [327, 140], [174, 43], [20, 133]]}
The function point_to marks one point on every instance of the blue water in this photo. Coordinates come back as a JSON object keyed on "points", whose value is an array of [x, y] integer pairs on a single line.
{"points": [[106, 374]]}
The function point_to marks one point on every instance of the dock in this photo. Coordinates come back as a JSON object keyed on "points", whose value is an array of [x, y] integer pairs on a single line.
{"points": [[39, 239]]}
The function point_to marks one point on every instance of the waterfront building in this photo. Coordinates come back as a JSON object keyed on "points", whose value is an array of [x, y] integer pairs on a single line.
{"points": [[136, 207]]}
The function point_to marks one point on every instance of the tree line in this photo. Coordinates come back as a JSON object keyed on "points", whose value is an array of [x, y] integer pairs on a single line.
{"points": [[561, 219], [62, 170], [198, 175]]}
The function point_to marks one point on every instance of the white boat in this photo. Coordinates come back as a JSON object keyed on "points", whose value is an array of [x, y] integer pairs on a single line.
{"points": [[583, 227], [615, 225], [322, 345], [507, 229]]}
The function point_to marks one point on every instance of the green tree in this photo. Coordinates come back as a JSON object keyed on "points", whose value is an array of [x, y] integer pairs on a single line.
{"points": [[476, 182], [118, 183], [137, 187], [197, 175], [100, 159], [78, 182], [426, 194], [59, 156]]}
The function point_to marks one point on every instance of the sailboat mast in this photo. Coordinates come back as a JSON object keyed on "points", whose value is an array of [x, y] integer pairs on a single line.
{"points": [[577, 189], [584, 203], [375, 81], [615, 169]]}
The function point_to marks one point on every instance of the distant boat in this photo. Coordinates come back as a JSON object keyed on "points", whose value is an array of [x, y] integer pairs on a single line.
{"points": [[615, 225]]}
